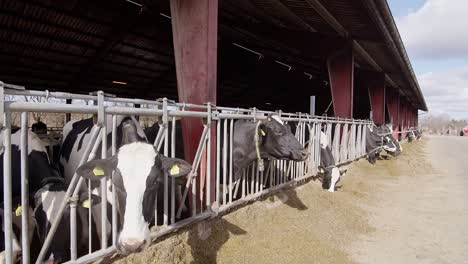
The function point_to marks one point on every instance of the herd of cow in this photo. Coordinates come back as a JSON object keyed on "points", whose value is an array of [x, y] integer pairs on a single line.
{"points": [[138, 173]]}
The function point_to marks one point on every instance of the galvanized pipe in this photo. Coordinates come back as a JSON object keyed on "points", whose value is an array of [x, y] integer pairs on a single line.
{"points": [[231, 136], [114, 193], [173, 183], [166, 153], [208, 159], [7, 192], [24, 189], [225, 168], [218, 163], [104, 187]]}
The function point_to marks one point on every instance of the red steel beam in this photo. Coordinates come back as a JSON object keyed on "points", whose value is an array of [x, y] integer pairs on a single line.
{"points": [[341, 73], [375, 83], [404, 116], [195, 32], [393, 102]]}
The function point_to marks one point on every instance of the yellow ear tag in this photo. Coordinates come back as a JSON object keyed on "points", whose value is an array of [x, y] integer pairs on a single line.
{"points": [[263, 132], [174, 170], [86, 203], [98, 171], [18, 210]]}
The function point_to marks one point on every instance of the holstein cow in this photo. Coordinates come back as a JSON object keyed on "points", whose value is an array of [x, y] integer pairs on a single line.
{"points": [[40, 168], [415, 134], [252, 141], [139, 172], [76, 136], [331, 173], [16, 214], [380, 138], [47, 201], [268, 139]]}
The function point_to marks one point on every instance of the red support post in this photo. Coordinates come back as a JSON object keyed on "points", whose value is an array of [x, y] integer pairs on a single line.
{"points": [[375, 83], [341, 73], [404, 116], [195, 36], [393, 105]]}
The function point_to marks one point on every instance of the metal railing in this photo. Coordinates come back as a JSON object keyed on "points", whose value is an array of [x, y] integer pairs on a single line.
{"points": [[348, 144]]}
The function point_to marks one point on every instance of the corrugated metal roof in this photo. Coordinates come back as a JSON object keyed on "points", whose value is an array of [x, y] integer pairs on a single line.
{"points": [[82, 45]]}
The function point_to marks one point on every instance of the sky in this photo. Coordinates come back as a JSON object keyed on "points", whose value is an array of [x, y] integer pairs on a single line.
{"points": [[435, 34]]}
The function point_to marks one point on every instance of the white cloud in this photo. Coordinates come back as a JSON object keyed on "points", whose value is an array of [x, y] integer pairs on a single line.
{"points": [[446, 91], [438, 30]]}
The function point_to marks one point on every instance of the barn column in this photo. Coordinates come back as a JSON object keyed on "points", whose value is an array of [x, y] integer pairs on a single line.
{"points": [[393, 102], [403, 117], [416, 117], [341, 73], [375, 83], [195, 30]]}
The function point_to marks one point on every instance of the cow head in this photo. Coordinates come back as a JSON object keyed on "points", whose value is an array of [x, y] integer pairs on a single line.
{"points": [[138, 170], [331, 174], [381, 137], [277, 140]]}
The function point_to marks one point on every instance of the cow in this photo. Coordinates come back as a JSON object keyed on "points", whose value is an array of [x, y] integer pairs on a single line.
{"points": [[39, 166], [47, 200], [76, 135], [268, 139], [16, 215], [139, 172], [331, 173], [275, 140], [380, 138]]}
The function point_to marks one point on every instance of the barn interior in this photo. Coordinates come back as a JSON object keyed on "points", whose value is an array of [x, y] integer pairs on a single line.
{"points": [[270, 54]]}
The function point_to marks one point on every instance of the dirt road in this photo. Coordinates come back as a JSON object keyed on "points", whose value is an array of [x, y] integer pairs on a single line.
{"points": [[410, 209]]}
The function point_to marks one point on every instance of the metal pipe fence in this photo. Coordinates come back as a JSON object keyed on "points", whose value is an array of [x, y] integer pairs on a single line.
{"points": [[347, 139]]}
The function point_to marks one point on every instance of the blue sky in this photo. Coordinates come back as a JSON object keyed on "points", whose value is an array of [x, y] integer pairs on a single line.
{"points": [[435, 33]]}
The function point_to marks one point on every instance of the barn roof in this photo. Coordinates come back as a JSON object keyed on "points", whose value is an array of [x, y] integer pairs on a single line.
{"points": [[83, 45]]}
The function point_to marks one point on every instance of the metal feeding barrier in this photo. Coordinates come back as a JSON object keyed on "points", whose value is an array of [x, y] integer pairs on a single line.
{"points": [[210, 187]]}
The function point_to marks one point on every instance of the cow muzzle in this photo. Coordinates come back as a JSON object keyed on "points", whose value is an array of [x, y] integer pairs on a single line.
{"points": [[128, 246]]}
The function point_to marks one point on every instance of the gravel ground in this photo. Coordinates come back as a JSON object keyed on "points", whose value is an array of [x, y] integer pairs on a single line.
{"points": [[402, 210]]}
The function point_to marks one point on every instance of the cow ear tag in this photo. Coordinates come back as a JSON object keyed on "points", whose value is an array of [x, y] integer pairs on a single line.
{"points": [[98, 172], [175, 170], [263, 132], [86, 203], [18, 210]]}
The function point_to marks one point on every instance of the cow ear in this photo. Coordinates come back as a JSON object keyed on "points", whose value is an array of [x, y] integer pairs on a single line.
{"points": [[174, 167], [97, 169]]}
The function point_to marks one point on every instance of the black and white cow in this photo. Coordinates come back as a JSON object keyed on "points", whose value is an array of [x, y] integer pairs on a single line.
{"points": [[414, 134], [47, 201], [331, 173], [138, 173], [76, 136], [378, 139], [39, 166], [16, 214], [274, 141]]}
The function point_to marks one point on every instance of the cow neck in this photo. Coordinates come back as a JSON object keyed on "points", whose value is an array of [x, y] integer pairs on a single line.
{"points": [[261, 165]]}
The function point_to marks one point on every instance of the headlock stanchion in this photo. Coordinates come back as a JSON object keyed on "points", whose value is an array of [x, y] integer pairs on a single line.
{"points": [[211, 184]]}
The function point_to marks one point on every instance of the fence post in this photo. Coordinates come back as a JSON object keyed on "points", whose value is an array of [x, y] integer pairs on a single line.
{"points": [[24, 189], [7, 192]]}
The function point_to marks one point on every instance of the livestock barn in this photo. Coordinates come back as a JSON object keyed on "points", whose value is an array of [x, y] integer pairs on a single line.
{"points": [[329, 65]]}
